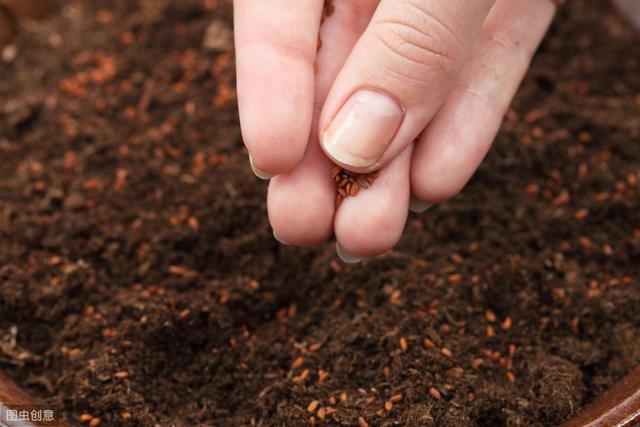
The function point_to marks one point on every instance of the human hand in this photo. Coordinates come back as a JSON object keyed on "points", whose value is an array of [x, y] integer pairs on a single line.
{"points": [[389, 73]]}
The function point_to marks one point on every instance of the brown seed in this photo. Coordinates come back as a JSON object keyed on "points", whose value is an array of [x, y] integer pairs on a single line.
{"points": [[355, 188], [446, 352], [456, 372], [321, 413], [512, 350], [95, 422], [455, 278], [434, 393], [506, 324], [404, 345], [428, 344], [476, 363], [511, 376], [344, 396], [395, 398], [490, 316], [322, 375], [312, 406], [581, 214], [85, 418], [297, 363], [362, 422], [121, 375], [388, 405], [332, 400]]}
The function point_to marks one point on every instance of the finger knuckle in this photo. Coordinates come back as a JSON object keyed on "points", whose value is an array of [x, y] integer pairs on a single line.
{"points": [[420, 41]]}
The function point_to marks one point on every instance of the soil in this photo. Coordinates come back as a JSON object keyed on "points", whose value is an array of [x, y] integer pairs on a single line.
{"points": [[141, 284]]}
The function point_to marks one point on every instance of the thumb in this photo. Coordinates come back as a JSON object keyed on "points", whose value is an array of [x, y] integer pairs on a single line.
{"points": [[396, 77]]}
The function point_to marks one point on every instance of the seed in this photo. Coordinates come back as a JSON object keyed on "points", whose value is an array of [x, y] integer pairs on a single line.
{"points": [[395, 398], [322, 375], [362, 422], [428, 344], [321, 413], [332, 400], [581, 214], [511, 376], [344, 396], [476, 363], [506, 324], [95, 422], [121, 374], [490, 332], [490, 316], [313, 405], [446, 352], [85, 418], [297, 363], [435, 393], [404, 346]]}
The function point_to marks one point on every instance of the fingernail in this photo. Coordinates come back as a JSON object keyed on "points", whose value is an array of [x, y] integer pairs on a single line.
{"points": [[257, 172], [363, 128], [346, 256], [275, 236], [418, 206]]}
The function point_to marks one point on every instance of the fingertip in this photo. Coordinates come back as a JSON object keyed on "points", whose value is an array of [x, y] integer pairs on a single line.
{"points": [[273, 152], [299, 219]]}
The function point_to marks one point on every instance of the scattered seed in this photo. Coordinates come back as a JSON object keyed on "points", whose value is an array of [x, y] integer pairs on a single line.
{"points": [[490, 316], [428, 344], [435, 393], [322, 375], [581, 214], [395, 398], [332, 400], [388, 405], [446, 352], [321, 413], [313, 405], [506, 324], [85, 418], [362, 422], [404, 346], [476, 363], [297, 363], [490, 332], [511, 376], [95, 422], [121, 375]]}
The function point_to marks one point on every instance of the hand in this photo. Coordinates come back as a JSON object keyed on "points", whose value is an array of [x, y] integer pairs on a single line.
{"points": [[389, 73]]}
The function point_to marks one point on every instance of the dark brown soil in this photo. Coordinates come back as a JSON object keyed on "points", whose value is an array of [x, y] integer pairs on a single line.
{"points": [[140, 277]]}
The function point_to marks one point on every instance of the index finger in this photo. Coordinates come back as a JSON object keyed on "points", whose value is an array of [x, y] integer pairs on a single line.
{"points": [[276, 43]]}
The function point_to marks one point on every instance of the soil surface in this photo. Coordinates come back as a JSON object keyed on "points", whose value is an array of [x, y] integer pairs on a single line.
{"points": [[140, 282]]}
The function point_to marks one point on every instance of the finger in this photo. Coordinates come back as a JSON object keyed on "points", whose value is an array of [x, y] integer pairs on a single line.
{"points": [[457, 139], [301, 203], [372, 223], [276, 44], [396, 78]]}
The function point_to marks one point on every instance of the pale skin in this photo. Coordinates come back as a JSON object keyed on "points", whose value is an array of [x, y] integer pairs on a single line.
{"points": [[438, 77]]}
